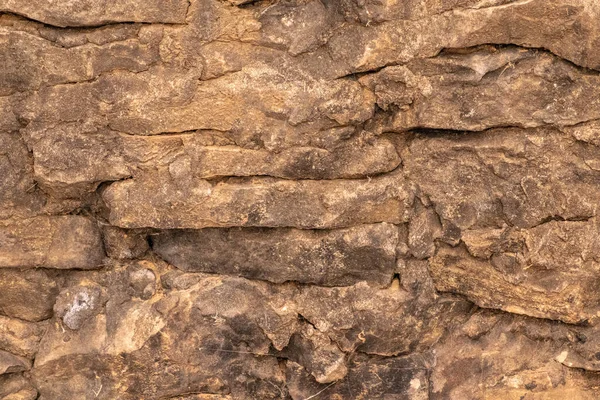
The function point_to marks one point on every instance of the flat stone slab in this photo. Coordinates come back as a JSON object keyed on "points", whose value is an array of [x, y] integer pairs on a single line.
{"points": [[98, 12], [162, 201], [62, 242], [332, 258]]}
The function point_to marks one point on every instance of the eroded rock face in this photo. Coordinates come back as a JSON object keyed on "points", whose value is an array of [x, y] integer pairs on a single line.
{"points": [[95, 13], [233, 199], [505, 356], [506, 176], [60, 242], [258, 202], [27, 294], [548, 271], [330, 258]]}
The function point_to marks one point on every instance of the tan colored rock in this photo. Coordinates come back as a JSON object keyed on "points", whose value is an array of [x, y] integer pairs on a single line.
{"points": [[10, 363], [269, 102], [94, 13], [368, 377], [502, 356], [27, 294], [299, 199], [213, 330], [486, 87], [19, 196], [124, 244], [196, 332], [383, 322], [19, 337], [549, 271], [318, 354], [43, 63], [16, 387], [60, 242], [260, 202], [423, 230], [531, 23], [70, 163], [505, 176], [330, 258]]}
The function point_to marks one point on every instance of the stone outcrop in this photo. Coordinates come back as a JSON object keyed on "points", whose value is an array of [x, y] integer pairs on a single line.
{"points": [[297, 199]]}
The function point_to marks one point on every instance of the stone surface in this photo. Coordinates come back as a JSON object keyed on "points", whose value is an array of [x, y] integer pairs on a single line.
{"points": [[60, 242], [368, 378], [27, 294], [299, 199], [506, 176], [95, 13], [209, 322], [10, 363], [331, 258], [549, 271], [16, 387], [259, 202], [124, 244], [486, 87], [507, 357], [19, 337]]}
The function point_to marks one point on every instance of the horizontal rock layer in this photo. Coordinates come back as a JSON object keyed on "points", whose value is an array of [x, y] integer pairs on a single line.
{"points": [[233, 199], [51, 242], [331, 258]]}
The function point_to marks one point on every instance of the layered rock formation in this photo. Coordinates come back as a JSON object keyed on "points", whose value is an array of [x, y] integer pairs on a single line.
{"points": [[297, 199]]}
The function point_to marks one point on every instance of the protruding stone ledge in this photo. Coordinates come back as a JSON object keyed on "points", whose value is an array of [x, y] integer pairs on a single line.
{"points": [[330, 258], [162, 201], [98, 12], [27, 294], [62, 242]]}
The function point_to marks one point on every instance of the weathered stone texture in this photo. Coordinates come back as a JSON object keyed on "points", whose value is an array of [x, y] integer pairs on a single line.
{"points": [[27, 294], [95, 13], [330, 258], [51, 242], [260, 202], [298, 199]]}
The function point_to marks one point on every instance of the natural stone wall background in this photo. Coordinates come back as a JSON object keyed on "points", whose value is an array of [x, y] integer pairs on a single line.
{"points": [[298, 199]]}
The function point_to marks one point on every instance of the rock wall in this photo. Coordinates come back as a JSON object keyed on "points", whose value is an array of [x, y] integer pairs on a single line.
{"points": [[299, 199]]}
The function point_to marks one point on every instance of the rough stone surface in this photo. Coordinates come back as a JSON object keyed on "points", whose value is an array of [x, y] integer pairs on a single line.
{"points": [[27, 294], [19, 337], [52, 242], [258, 202], [330, 258], [299, 199]]}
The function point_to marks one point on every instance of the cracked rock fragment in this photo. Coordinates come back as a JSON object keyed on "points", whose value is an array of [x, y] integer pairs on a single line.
{"points": [[210, 337], [368, 378], [508, 356], [124, 244], [20, 337], [27, 294], [330, 258], [512, 176], [258, 202], [549, 271], [383, 322], [71, 161], [61, 242], [16, 387], [18, 195], [10, 363], [40, 62], [486, 87], [99, 12]]}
